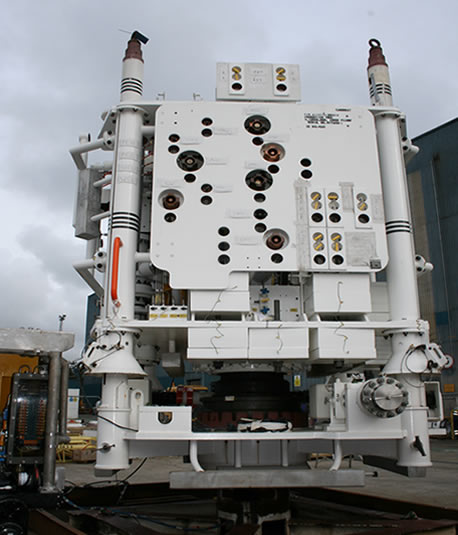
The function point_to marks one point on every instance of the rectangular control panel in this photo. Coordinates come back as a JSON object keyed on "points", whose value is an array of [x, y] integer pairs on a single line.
{"points": [[245, 187]]}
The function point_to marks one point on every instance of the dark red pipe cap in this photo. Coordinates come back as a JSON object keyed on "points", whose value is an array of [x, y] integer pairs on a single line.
{"points": [[376, 56], [133, 50]]}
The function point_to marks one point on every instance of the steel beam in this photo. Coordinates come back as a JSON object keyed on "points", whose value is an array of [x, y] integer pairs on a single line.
{"points": [[248, 478]]}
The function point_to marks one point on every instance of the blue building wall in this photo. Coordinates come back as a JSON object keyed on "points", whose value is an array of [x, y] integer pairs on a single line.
{"points": [[435, 170]]}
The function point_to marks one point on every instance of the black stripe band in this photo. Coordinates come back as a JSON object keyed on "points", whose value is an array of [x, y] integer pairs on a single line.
{"points": [[404, 225], [129, 215], [397, 221], [392, 231], [125, 226]]}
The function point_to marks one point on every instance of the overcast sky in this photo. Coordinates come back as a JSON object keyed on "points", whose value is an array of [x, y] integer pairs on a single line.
{"points": [[60, 66]]}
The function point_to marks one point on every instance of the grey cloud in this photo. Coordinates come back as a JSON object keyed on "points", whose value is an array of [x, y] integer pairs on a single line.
{"points": [[54, 254]]}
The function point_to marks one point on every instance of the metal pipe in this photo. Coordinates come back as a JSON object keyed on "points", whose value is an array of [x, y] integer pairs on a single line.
{"points": [[102, 182], [84, 269], [148, 131], [337, 456], [63, 405], [284, 453], [80, 150], [91, 248], [142, 258], [102, 215], [238, 454], [193, 456], [52, 408]]}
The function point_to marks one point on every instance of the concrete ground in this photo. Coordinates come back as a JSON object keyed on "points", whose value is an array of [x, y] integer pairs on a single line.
{"points": [[439, 487]]}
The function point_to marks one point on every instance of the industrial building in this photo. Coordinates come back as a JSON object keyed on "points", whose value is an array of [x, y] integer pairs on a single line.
{"points": [[432, 181]]}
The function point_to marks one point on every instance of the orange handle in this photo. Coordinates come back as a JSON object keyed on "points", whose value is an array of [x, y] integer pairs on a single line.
{"points": [[117, 244]]}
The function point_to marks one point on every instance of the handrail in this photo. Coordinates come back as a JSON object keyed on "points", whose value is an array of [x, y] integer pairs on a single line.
{"points": [[117, 244]]}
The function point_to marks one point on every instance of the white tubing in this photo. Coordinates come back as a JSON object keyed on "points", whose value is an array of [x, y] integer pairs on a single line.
{"points": [[83, 148], [148, 131], [99, 217], [238, 454], [337, 456], [193, 456], [85, 269], [284, 453], [102, 182]]}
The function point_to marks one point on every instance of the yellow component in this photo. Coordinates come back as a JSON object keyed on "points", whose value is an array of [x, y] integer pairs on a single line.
{"points": [[236, 72], [297, 380], [281, 77], [362, 206], [264, 300], [316, 196], [336, 246], [78, 443], [293, 309], [316, 205], [318, 246], [164, 316], [336, 237], [318, 236], [333, 196], [153, 316], [280, 70]]}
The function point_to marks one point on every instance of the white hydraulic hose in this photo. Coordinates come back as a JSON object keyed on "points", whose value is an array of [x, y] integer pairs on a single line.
{"points": [[193, 456], [337, 456]]}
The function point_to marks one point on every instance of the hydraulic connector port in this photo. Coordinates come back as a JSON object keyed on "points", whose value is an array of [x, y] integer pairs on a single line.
{"points": [[259, 180], [276, 239], [272, 152], [171, 199], [190, 160], [257, 125]]}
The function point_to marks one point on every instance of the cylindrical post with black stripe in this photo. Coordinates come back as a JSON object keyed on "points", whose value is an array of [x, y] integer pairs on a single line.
{"points": [[408, 334], [125, 200], [118, 362]]}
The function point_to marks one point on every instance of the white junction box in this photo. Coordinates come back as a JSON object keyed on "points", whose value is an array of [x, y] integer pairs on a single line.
{"points": [[257, 81], [218, 341], [337, 293], [342, 343], [319, 407], [73, 403], [278, 341]]}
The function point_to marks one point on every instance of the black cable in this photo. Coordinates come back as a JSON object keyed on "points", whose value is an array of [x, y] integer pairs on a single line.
{"points": [[116, 425], [94, 412], [135, 471]]}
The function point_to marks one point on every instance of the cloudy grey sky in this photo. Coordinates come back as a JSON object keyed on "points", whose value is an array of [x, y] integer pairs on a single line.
{"points": [[60, 67]]}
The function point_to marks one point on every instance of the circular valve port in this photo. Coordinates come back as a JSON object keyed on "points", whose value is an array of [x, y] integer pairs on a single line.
{"points": [[272, 152], [276, 239], [384, 397], [257, 125], [171, 199], [190, 160], [259, 180]]}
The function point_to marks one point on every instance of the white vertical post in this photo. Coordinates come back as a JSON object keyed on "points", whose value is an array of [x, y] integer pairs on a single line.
{"points": [[119, 303], [413, 451], [114, 412]]}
